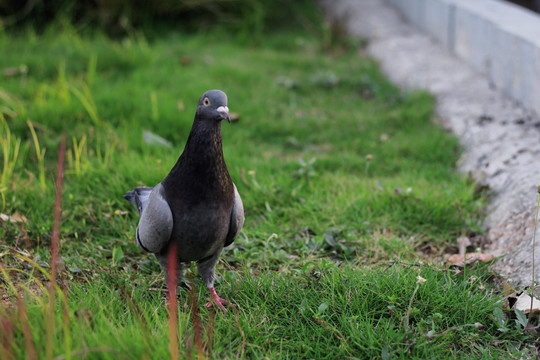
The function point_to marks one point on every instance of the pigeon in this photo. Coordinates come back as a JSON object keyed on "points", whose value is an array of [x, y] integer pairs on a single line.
{"points": [[196, 210]]}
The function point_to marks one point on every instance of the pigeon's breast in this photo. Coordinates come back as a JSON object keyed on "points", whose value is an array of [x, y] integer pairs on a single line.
{"points": [[200, 231]]}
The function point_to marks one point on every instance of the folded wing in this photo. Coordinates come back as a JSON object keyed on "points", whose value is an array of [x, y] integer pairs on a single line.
{"points": [[156, 222], [237, 218]]}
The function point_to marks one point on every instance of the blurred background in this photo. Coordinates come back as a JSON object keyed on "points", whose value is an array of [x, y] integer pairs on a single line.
{"points": [[115, 17]]}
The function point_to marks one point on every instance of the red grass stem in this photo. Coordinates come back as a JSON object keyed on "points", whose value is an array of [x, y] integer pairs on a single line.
{"points": [[27, 332], [6, 338], [55, 240], [172, 282], [55, 236]]}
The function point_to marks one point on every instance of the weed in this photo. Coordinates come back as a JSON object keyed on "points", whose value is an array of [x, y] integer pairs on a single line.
{"points": [[153, 102], [369, 157], [85, 97], [10, 106], [10, 146], [92, 68], [533, 284], [40, 156], [306, 170], [77, 157], [419, 282]]}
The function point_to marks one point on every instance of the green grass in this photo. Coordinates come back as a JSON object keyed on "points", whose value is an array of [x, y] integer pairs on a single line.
{"points": [[350, 173], [321, 312]]}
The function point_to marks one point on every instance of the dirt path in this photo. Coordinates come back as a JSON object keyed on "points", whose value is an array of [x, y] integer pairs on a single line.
{"points": [[501, 139]]}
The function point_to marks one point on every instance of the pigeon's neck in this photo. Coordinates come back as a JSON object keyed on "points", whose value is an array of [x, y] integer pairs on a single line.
{"points": [[204, 147], [202, 162]]}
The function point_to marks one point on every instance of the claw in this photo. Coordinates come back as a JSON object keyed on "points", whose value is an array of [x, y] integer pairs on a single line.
{"points": [[217, 300]]}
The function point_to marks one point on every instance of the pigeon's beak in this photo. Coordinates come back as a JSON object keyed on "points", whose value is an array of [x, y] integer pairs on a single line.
{"points": [[224, 112]]}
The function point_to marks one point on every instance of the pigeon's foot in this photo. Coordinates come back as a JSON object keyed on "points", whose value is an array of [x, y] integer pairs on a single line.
{"points": [[217, 300]]}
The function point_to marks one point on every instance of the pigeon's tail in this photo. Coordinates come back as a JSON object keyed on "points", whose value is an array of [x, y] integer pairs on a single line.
{"points": [[139, 197]]}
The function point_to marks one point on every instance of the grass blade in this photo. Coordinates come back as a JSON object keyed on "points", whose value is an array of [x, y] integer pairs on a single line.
{"points": [[10, 147], [197, 327], [85, 97], [39, 154]]}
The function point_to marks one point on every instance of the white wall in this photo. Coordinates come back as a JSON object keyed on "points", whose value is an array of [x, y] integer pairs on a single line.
{"points": [[497, 38]]}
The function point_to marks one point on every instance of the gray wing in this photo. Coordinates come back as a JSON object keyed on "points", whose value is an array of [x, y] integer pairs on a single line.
{"points": [[237, 218], [156, 223]]}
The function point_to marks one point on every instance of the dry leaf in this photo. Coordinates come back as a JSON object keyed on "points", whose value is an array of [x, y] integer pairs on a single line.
{"points": [[429, 249], [471, 258], [15, 71], [185, 60], [16, 217], [9, 72], [180, 105], [507, 289], [523, 303], [234, 117], [510, 295]]}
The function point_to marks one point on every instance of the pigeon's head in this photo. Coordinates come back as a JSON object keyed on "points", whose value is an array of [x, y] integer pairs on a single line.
{"points": [[213, 106]]}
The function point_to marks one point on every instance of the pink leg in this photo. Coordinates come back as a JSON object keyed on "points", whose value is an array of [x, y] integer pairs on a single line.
{"points": [[216, 299]]}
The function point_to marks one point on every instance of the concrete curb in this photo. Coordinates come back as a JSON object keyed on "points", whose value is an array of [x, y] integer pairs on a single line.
{"points": [[499, 39], [499, 137]]}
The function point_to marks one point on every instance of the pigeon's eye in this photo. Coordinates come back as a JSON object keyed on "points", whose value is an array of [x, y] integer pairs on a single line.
{"points": [[206, 102]]}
